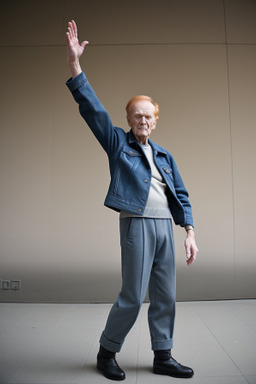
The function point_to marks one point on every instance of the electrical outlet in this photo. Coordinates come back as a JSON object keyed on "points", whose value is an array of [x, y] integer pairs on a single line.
{"points": [[6, 284], [15, 284]]}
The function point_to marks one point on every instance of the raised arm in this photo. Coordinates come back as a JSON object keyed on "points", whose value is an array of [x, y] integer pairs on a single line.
{"points": [[90, 107], [74, 49]]}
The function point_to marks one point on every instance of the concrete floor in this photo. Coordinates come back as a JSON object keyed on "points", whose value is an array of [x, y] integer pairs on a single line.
{"points": [[58, 343]]}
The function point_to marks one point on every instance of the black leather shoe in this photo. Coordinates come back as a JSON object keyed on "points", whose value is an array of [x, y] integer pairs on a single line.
{"points": [[172, 368], [109, 368]]}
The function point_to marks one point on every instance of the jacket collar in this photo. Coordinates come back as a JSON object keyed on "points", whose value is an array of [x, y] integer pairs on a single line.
{"points": [[134, 143]]}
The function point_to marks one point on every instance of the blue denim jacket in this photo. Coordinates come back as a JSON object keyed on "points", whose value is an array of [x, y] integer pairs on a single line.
{"points": [[129, 169]]}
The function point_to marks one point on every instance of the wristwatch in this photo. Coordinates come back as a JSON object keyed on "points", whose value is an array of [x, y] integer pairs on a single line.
{"points": [[189, 228]]}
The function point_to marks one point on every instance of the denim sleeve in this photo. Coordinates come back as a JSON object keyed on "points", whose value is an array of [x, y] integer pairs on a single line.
{"points": [[94, 113], [182, 194]]}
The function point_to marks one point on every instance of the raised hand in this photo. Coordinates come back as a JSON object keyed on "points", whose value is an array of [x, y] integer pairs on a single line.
{"points": [[74, 48]]}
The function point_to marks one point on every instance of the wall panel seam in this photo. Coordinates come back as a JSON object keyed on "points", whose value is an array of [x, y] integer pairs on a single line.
{"points": [[231, 150]]}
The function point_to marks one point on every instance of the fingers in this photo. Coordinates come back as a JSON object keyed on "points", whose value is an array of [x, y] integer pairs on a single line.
{"points": [[191, 259], [191, 252], [67, 37], [191, 255], [72, 30], [74, 27]]}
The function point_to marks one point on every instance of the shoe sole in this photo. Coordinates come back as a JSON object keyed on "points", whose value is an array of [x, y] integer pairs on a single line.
{"points": [[168, 373]]}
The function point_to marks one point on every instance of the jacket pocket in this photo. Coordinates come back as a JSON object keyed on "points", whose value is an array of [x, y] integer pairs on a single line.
{"points": [[167, 171], [129, 158], [128, 162]]}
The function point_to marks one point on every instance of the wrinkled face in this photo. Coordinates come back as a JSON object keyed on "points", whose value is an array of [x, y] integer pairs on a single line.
{"points": [[141, 119]]}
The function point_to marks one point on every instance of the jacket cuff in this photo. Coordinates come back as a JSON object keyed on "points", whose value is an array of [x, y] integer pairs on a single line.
{"points": [[75, 82]]}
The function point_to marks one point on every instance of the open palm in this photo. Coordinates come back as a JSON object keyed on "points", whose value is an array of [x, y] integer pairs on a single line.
{"points": [[75, 50]]}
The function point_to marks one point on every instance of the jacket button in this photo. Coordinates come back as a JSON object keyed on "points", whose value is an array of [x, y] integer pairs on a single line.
{"points": [[139, 210], [167, 170], [146, 181]]}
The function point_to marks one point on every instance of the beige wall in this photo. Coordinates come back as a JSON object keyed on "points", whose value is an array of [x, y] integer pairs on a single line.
{"points": [[197, 59]]}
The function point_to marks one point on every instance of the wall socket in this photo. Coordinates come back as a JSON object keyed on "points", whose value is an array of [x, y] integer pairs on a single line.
{"points": [[7, 285], [15, 285]]}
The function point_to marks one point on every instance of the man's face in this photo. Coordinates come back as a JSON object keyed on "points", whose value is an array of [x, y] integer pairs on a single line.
{"points": [[141, 119]]}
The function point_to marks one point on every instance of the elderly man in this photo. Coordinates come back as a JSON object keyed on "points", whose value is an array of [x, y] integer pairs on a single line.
{"points": [[147, 189]]}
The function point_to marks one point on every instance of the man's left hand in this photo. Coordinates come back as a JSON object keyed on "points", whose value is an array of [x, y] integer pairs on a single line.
{"points": [[190, 246]]}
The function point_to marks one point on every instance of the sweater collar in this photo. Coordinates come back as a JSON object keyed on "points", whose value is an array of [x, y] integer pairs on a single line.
{"points": [[156, 148]]}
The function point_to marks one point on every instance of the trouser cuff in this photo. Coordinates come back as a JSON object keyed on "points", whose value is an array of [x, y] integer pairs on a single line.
{"points": [[110, 345], [160, 345]]}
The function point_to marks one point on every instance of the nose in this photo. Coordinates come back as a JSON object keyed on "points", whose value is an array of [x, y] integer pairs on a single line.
{"points": [[143, 120]]}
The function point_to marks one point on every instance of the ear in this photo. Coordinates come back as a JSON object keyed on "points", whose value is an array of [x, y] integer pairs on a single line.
{"points": [[128, 120], [154, 124]]}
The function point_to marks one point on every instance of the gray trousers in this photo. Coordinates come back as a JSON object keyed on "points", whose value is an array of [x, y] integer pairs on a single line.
{"points": [[148, 261]]}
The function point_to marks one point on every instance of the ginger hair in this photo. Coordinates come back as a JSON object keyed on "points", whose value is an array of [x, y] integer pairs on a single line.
{"points": [[135, 99]]}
